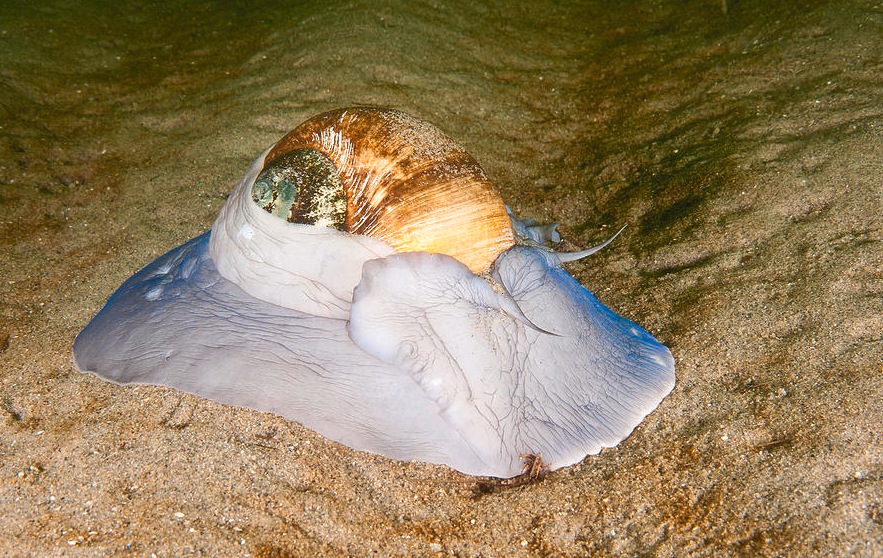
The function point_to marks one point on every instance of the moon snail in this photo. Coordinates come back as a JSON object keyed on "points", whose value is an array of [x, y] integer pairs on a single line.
{"points": [[366, 280]]}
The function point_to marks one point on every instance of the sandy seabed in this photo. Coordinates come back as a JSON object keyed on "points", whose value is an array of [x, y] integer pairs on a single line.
{"points": [[742, 143]]}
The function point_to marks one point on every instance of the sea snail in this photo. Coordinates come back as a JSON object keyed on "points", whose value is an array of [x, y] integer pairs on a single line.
{"points": [[366, 280]]}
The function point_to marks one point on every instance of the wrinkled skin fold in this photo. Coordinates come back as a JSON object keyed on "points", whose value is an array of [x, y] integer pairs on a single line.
{"points": [[425, 360]]}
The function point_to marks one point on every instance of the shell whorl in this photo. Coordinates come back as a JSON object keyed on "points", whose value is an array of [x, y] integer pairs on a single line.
{"points": [[404, 182]]}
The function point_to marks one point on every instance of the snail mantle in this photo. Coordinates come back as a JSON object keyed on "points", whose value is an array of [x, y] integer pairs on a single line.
{"points": [[366, 280]]}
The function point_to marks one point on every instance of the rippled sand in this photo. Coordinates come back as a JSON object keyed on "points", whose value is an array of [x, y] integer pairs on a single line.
{"points": [[744, 149]]}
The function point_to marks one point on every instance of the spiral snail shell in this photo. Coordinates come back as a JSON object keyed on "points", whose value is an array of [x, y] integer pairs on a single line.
{"points": [[404, 182], [371, 182], [365, 279]]}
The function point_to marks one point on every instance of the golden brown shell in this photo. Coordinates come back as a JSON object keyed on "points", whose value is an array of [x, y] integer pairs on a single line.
{"points": [[408, 184]]}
